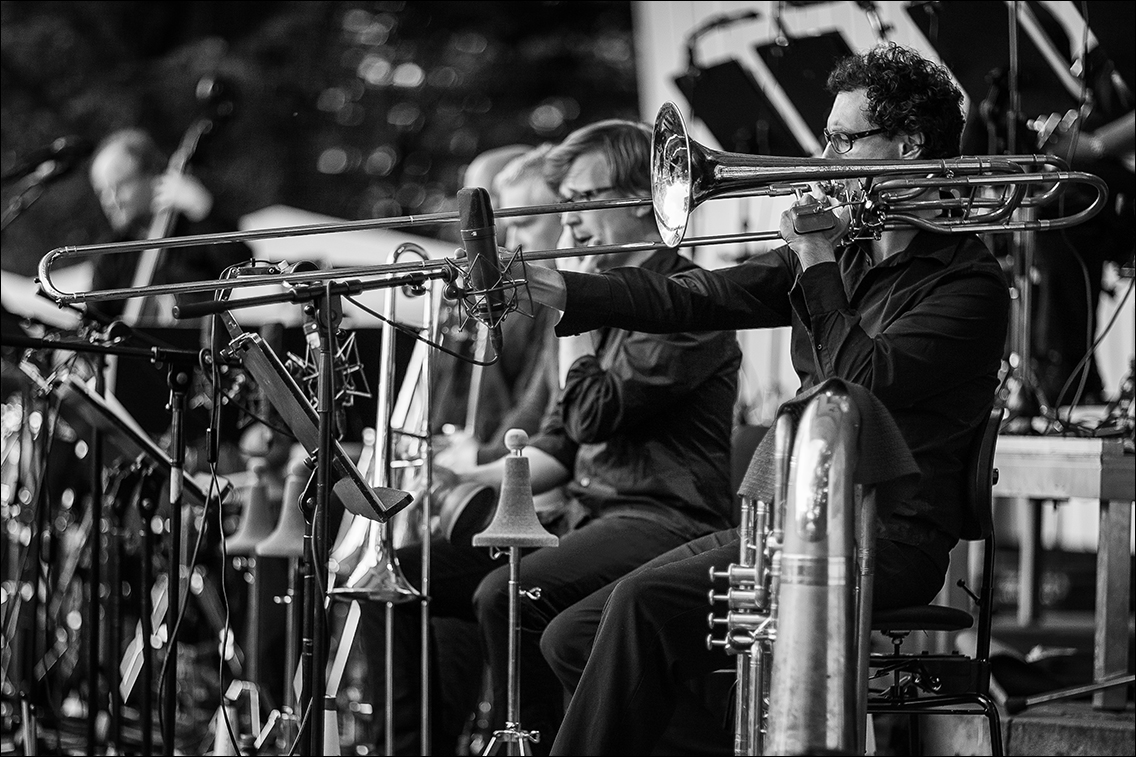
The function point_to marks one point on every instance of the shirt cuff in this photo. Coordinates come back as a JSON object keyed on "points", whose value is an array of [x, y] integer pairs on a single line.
{"points": [[822, 288], [585, 296]]}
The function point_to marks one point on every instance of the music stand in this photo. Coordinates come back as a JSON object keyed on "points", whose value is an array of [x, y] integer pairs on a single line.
{"points": [[105, 417], [85, 410], [1112, 22], [729, 101], [801, 68], [296, 411], [334, 471], [971, 40]]}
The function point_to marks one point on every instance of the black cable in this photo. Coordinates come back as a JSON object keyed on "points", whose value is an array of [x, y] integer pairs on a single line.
{"points": [[226, 627], [212, 491], [1096, 343], [415, 335]]}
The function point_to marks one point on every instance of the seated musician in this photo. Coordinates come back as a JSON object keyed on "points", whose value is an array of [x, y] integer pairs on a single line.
{"points": [[639, 436], [135, 187], [916, 317]]}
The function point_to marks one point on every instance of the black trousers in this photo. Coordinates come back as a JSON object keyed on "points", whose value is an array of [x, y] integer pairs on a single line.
{"points": [[634, 653], [465, 583]]}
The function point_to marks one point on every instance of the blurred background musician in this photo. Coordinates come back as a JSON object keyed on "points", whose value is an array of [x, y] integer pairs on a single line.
{"points": [[129, 175], [135, 186], [513, 392], [459, 388]]}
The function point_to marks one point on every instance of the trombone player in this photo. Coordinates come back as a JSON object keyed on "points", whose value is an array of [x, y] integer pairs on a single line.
{"points": [[918, 318]]}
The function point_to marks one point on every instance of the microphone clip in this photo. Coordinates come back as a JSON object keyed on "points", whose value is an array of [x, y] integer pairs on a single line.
{"points": [[481, 304]]}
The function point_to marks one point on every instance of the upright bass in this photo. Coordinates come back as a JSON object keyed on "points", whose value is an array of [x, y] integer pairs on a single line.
{"points": [[217, 103]]}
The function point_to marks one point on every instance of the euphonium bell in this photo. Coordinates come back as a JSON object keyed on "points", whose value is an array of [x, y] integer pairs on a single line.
{"points": [[288, 538], [515, 523]]}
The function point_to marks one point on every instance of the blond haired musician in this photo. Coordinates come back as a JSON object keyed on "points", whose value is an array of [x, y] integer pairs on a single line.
{"points": [[639, 437], [918, 318]]}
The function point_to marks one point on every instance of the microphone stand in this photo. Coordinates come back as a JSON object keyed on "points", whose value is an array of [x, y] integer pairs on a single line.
{"points": [[30, 190], [178, 379], [315, 641], [1026, 399], [318, 300], [95, 580]]}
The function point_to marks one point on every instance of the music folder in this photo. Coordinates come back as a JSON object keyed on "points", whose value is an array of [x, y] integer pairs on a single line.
{"points": [[280, 388], [84, 409]]}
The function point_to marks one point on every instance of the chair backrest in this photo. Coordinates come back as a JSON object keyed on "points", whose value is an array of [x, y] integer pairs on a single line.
{"points": [[978, 499], [978, 523]]}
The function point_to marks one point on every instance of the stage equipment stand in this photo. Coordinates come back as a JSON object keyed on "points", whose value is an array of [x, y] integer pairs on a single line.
{"points": [[255, 526], [320, 301], [328, 313], [1025, 399], [286, 542], [26, 643], [94, 693], [180, 371], [515, 526]]}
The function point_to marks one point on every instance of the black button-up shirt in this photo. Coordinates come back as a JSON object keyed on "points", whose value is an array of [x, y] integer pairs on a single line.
{"points": [[924, 330], [645, 423]]}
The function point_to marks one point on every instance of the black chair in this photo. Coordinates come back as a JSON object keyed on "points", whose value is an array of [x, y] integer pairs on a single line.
{"points": [[955, 683]]}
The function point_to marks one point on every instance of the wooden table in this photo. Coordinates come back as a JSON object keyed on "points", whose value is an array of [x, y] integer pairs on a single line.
{"points": [[1045, 468]]}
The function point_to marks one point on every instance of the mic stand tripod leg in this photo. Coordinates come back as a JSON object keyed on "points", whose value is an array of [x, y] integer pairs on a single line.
{"points": [[513, 733]]}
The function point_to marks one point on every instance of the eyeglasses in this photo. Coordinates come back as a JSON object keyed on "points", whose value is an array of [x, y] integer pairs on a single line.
{"points": [[586, 196], [842, 141]]}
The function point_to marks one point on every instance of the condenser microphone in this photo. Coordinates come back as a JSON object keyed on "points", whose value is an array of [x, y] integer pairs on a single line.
{"points": [[479, 238]]}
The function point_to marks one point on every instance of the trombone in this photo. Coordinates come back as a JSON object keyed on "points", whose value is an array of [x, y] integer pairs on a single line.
{"points": [[685, 174], [401, 456]]}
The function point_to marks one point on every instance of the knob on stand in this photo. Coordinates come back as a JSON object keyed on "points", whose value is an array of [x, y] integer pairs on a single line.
{"points": [[515, 526]]}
